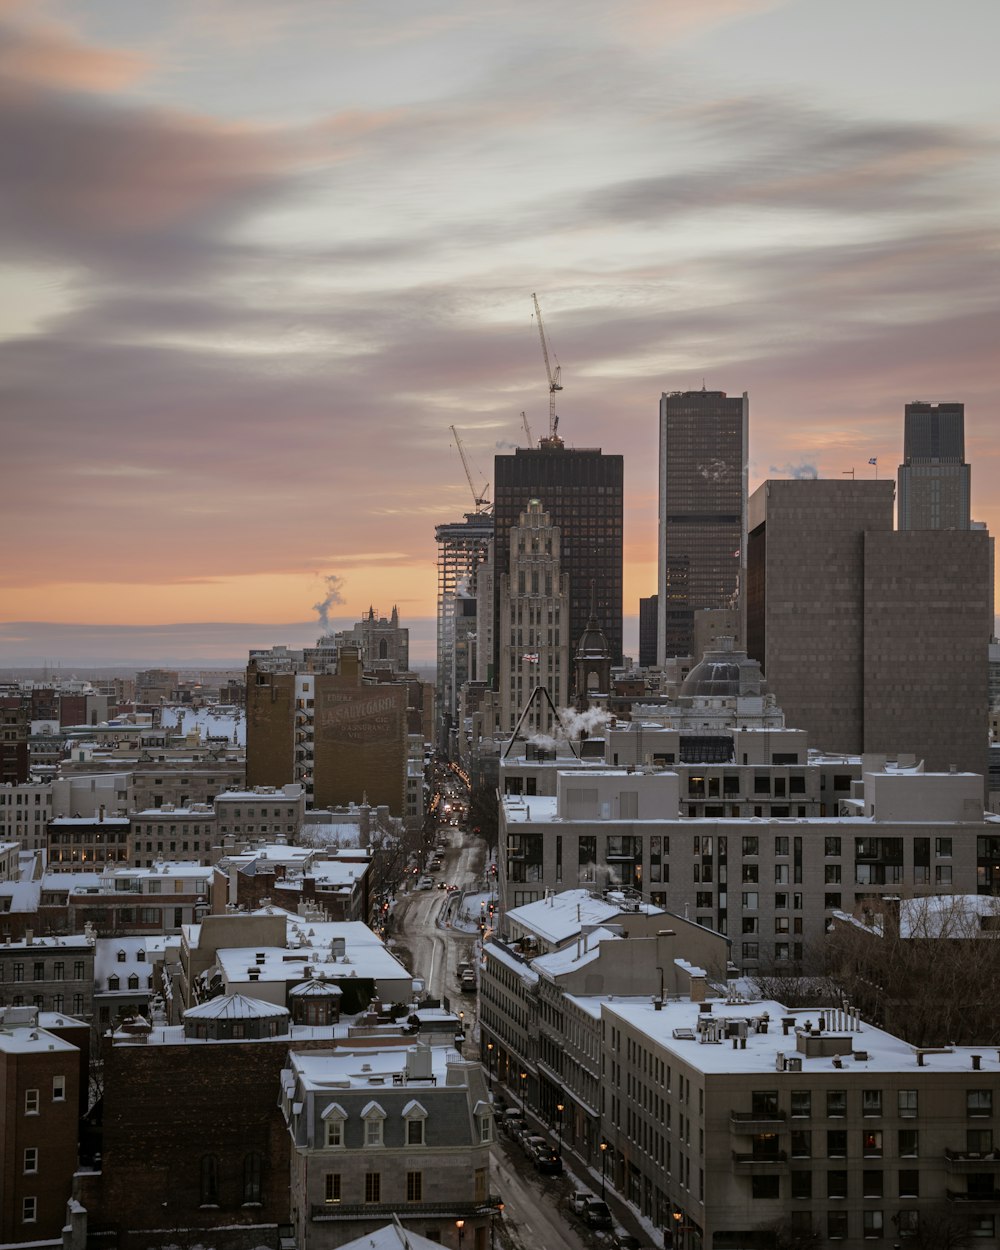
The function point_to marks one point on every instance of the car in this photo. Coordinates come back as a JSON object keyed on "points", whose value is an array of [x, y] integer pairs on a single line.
{"points": [[424, 883], [597, 1214], [578, 1201], [547, 1159], [624, 1241], [511, 1121], [531, 1142]]}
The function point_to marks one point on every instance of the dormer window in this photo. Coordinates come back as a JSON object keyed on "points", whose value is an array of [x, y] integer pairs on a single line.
{"points": [[113, 983], [374, 1119], [414, 1117], [121, 957], [334, 1117]]}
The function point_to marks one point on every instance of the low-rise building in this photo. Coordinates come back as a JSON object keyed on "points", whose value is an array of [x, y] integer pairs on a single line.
{"points": [[406, 1129], [49, 973]]}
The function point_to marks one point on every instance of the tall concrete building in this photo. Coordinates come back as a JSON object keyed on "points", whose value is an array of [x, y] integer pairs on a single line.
{"points": [[647, 631], [462, 548], [534, 623], [581, 489], [934, 480], [702, 519], [870, 639]]}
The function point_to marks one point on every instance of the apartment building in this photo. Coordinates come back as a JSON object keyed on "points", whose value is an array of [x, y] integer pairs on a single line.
{"points": [[770, 883]]}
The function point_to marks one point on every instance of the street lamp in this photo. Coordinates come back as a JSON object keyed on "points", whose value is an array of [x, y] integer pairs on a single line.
{"points": [[604, 1170], [524, 1082], [460, 1225], [489, 1063], [560, 1107]]}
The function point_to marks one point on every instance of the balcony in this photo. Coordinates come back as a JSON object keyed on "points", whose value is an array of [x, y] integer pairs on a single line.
{"points": [[984, 1197], [756, 1121], [384, 1211], [971, 1160], [756, 1164]]}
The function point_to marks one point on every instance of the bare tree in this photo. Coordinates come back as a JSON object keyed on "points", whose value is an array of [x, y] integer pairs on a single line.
{"points": [[940, 1227], [922, 968]]}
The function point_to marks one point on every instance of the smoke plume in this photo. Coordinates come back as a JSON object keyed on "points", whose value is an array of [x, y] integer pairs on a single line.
{"points": [[796, 471], [577, 723], [334, 585]]}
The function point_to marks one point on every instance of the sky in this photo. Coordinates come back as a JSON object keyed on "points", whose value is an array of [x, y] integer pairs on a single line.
{"points": [[256, 258]]}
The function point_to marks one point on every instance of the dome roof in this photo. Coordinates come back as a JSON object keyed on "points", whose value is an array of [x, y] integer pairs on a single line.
{"points": [[593, 644], [723, 674], [235, 1007]]}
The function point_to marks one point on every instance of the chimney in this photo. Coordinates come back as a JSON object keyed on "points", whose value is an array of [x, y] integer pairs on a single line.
{"points": [[920, 1058], [100, 814], [976, 1061]]}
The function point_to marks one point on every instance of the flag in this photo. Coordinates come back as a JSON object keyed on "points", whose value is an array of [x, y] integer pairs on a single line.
{"points": [[530, 659], [873, 459]]}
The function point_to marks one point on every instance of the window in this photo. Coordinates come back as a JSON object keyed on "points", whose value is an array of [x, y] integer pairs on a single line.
{"points": [[908, 1222], [31, 1102], [836, 1103], [907, 1104], [486, 1128], [836, 1184], [871, 1143], [764, 1103], [113, 983], [30, 1160], [831, 874], [978, 1141], [836, 1144], [801, 1144], [909, 1183], [802, 1185], [209, 1180], [751, 899], [871, 1102], [871, 1222], [373, 1185], [942, 874], [979, 1102], [39, 970], [750, 874], [332, 1187], [373, 1127], [831, 902], [781, 846], [334, 1132], [982, 1225], [29, 1210], [831, 847], [750, 950], [836, 1224], [801, 1102], [764, 1187], [906, 1143], [781, 874], [942, 848], [871, 1182], [415, 1132], [414, 1186]]}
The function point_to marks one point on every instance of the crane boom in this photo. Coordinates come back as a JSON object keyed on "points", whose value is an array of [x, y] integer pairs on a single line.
{"points": [[527, 428], [552, 375], [479, 499]]}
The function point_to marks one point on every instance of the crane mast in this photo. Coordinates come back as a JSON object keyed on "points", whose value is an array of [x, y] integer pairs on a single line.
{"points": [[482, 499], [553, 376]]}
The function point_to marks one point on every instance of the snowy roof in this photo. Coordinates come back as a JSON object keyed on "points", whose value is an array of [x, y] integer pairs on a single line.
{"points": [[23, 895], [557, 962], [315, 989], [344, 1068], [391, 1237], [562, 916], [873, 1049], [235, 1007], [524, 970], [108, 952]]}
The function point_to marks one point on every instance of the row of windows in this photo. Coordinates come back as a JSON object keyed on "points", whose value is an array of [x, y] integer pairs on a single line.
{"points": [[39, 966], [33, 1097], [765, 1103]]}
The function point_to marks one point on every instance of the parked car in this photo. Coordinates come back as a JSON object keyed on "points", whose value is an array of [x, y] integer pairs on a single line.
{"points": [[624, 1241], [578, 1201], [511, 1121], [531, 1142], [424, 883], [468, 983], [597, 1214]]}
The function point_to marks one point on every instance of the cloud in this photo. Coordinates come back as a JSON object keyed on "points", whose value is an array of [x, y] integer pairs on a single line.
{"points": [[49, 54]]}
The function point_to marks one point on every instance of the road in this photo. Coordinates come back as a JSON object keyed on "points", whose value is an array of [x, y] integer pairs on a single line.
{"points": [[532, 1216]]}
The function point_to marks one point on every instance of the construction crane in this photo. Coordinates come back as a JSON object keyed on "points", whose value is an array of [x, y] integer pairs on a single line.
{"points": [[527, 428], [482, 499], [553, 376]]}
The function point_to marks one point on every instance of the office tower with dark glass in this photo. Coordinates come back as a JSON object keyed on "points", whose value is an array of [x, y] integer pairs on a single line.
{"points": [[934, 480], [703, 500], [462, 550], [581, 489]]}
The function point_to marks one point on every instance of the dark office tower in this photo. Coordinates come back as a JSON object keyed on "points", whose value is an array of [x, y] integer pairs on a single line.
{"points": [[703, 497], [647, 631], [934, 480], [805, 600], [582, 491]]}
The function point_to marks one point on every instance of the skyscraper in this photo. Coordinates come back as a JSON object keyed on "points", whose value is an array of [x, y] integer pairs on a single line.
{"points": [[582, 491], [934, 480], [871, 639], [462, 547], [703, 496], [534, 623]]}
